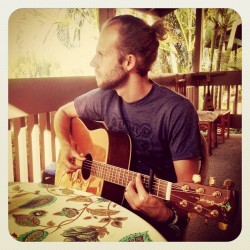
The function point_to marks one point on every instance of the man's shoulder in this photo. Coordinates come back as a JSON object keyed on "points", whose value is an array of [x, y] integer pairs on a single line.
{"points": [[97, 92], [166, 92]]}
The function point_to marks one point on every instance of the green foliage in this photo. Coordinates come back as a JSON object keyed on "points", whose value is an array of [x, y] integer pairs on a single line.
{"points": [[175, 53], [30, 67]]}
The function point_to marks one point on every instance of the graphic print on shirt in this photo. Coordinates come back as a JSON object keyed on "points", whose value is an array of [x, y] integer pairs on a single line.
{"points": [[141, 134]]}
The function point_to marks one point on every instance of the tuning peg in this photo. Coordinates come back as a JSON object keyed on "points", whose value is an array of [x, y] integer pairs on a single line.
{"points": [[222, 226], [192, 215], [229, 184], [211, 181], [196, 178]]}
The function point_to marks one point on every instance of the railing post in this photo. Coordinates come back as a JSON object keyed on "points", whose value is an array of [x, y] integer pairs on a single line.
{"points": [[33, 146], [10, 154], [20, 167], [45, 140]]}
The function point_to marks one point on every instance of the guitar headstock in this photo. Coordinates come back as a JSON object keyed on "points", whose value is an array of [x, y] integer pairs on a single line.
{"points": [[206, 200]]}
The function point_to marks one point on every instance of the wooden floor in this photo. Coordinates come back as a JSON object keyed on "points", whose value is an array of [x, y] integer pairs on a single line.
{"points": [[225, 162]]}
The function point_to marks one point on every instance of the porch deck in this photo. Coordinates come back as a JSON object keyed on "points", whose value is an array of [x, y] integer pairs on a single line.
{"points": [[225, 162]]}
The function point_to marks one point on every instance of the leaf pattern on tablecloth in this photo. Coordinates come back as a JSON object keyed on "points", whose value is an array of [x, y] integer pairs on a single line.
{"points": [[35, 235], [85, 234], [137, 237], [67, 191], [20, 195], [40, 201], [26, 220], [103, 215], [80, 198], [68, 212], [102, 211], [105, 220], [116, 223], [38, 213]]}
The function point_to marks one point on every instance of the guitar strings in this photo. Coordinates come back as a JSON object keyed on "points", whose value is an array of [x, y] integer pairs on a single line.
{"points": [[95, 167], [158, 185], [129, 173]]}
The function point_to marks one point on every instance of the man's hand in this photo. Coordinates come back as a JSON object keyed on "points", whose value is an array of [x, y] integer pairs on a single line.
{"points": [[140, 200], [70, 159]]}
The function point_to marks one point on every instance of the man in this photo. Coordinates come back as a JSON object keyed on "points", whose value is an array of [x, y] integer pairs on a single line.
{"points": [[162, 124]]}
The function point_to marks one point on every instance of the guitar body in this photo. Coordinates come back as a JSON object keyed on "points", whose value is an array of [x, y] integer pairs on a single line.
{"points": [[208, 102], [95, 143]]}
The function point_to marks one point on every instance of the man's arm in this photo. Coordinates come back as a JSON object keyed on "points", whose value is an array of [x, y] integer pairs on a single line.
{"points": [[155, 208], [185, 169], [62, 128]]}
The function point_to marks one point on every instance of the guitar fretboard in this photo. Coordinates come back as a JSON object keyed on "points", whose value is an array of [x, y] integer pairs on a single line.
{"points": [[122, 177]]}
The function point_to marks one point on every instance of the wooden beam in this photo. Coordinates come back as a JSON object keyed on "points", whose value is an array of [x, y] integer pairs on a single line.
{"points": [[198, 41], [105, 14]]}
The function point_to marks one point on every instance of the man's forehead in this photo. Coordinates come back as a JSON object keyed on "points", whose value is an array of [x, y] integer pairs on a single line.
{"points": [[109, 36]]}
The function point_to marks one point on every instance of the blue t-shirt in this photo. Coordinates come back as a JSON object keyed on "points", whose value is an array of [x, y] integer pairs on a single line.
{"points": [[163, 126]]}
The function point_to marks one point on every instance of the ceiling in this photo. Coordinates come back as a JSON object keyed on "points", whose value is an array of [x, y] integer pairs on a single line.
{"points": [[156, 11]]}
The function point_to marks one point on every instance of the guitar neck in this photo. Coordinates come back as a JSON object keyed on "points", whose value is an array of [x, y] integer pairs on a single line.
{"points": [[122, 177]]}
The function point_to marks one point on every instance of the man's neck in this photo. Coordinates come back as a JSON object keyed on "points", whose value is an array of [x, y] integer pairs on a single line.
{"points": [[134, 89]]}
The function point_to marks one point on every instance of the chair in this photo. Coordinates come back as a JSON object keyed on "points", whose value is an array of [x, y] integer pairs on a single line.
{"points": [[222, 127], [203, 168]]}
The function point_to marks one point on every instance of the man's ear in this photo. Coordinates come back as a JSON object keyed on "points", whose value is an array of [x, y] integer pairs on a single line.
{"points": [[130, 62]]}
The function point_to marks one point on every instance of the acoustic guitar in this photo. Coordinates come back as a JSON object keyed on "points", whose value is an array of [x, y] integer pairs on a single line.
{"points": [[105, 172], [208, 99]]}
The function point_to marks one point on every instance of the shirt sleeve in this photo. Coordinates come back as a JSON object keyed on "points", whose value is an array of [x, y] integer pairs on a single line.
{"points": [[88, 105], [184, 134]]}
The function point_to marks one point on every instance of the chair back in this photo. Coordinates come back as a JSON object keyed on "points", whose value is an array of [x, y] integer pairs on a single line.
{"points": [[204, 159]]}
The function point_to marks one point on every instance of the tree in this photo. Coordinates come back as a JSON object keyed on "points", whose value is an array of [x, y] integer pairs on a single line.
{"points": [[179, 45], [41, 30], [218, 22]]}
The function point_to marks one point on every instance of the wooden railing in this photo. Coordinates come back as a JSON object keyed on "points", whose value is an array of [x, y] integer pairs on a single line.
{"points": [[32, 104], [32, 146], [221, 84]]}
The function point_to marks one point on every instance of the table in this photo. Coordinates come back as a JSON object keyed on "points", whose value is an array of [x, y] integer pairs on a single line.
{"points": [[211, 120], [208, 119], [42, 212]]}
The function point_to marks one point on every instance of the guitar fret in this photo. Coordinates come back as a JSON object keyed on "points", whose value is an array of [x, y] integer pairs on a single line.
{"points": [[121, 176], [163, 189], [123, 179], [158, 187]]}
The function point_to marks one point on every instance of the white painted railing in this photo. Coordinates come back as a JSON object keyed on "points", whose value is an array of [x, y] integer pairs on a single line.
{"points": [[32, 146]]}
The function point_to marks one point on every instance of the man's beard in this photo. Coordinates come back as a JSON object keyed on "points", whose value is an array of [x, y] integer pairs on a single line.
{"points": [[115, 79]]}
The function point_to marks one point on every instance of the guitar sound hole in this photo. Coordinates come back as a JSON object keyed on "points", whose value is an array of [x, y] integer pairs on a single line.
{"points": [[86, 167]]}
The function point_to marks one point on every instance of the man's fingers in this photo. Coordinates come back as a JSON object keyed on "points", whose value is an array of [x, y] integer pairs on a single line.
{"points": [[139, 186], [78, 157]]}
